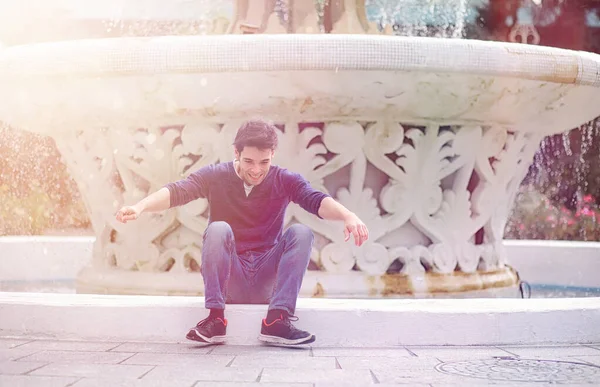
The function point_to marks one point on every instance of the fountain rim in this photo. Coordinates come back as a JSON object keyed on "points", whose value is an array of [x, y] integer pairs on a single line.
{"points": [[296, 52]]}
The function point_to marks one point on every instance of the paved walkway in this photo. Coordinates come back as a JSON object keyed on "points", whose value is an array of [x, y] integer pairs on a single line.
{"points": [[45, 363]]}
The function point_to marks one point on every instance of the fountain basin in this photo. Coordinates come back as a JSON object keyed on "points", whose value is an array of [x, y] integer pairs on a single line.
{"points": [[307, 77], [427, 140]]}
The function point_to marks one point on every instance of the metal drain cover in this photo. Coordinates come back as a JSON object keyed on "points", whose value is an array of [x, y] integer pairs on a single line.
{"points": [[523, 370]]}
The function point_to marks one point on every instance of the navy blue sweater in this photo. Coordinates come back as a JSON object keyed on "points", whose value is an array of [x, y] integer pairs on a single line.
{"points": [[256, 220]]}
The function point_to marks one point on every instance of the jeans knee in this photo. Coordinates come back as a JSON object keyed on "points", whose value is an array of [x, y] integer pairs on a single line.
{"points": [[301, 234], [218, 232]]}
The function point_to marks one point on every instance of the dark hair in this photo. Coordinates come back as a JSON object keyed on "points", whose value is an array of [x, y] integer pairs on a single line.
{"points": [[256, 133]]}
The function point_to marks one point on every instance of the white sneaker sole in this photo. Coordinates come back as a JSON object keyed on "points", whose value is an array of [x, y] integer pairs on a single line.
{"points": [[211, 340], [282, 341]]}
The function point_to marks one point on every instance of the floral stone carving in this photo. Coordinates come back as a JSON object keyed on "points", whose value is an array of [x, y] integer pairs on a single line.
{"points": [[423, 192]]}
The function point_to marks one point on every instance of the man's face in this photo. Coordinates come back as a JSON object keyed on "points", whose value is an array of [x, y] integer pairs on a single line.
{"points": [[254, 164]]}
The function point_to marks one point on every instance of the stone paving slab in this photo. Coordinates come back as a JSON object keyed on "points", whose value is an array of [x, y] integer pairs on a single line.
{"points": [[19, 367], [240, 350], [411, 376], [35, 381], [504, 384], [233, 384], [545, 352], [15, 353], [327, 384], [113, 371], [69, 345], [78, 357], [191, 359], [458, 353], [390, 352], [217, 374], [186, 364], [87, 382], [284, 361], [12, 343], [291, 375], [595, 360], [375, 362], [187, 347]]}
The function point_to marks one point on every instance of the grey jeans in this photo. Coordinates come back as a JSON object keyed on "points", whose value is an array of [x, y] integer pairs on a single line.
{"points": [[273, 277]]}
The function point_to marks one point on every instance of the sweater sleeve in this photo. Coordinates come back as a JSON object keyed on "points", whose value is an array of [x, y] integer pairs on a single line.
{"points": [[195, 186], [302, 193]]}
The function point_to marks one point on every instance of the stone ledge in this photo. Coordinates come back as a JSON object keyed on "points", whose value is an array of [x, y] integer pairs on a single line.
{"points": [[336, 322], [298, 52]]}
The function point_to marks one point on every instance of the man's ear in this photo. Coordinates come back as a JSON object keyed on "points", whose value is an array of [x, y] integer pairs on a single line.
{"points": [[236, 153]]}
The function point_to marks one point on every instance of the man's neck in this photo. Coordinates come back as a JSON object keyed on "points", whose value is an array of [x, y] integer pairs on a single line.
{"points": [[247, 187], [236, 167]]}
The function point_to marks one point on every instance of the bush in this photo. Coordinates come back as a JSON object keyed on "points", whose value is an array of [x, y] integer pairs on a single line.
{"points": [[535, 216], [37, 191]]}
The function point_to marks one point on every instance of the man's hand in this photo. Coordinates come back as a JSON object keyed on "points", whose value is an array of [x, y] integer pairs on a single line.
{"points": [[353, 225], [128, 213]]}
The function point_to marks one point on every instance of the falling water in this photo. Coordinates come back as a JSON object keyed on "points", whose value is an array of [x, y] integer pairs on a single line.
{"points": [[559, 198], [433, 18], [461, 13], [205, 14]]}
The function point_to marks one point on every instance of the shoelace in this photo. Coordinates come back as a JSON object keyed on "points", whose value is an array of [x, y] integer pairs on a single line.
{"points": [[207, 321], [202, 322], [288, 320]]}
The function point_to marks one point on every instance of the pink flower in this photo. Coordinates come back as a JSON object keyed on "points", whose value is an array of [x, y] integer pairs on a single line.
{"points": [[587, 212], [588, 198]]}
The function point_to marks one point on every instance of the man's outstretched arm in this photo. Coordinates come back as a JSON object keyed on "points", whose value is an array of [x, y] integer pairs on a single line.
{"points": [[172, 195], [332, 210], [321, 204], [158, 201]]}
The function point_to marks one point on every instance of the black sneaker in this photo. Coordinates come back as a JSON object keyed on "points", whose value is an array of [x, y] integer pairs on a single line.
{"points": [[281, 331], [209, 330]]}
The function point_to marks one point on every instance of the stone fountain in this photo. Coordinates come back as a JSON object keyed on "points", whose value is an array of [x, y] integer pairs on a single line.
{"points": [[426, 139]]}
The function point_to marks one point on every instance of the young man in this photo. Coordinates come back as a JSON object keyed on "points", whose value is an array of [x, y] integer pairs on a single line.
{"points": [[246, 256]]}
